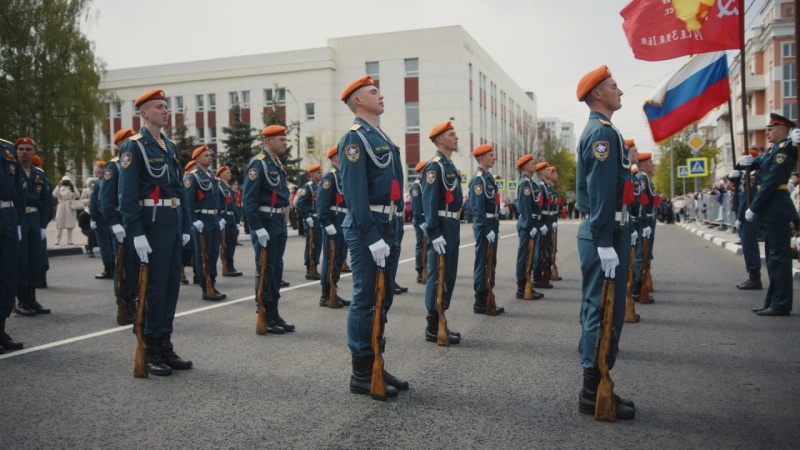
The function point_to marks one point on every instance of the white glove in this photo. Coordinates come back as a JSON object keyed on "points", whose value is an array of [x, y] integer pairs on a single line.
{"points": [[185, 238], [608, 260], [19, 232], [119, 232], [555, 226], [749, 215], [533, 232], [634, 236], [423, 225], [198, 225], [746, 161], [491, 237], [380, 250], [797, 243], [310, 221], [142, 247], [735, 174], [543, 229], [263, 237], [93, 224], [331, 230], [647, 232], [44, 234], [737, 224], [438, 245], [796, 136], [222, 224]]}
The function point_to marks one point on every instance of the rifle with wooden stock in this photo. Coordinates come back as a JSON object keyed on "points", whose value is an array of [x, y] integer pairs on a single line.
{"points": [[605, 407], [424, 262], [312, 268], [120, 286], [208, 288], [554, 249], [224, 251], [491, 306], [543, 262], [377, 388], [139, 361], [261, 321], [441, 338], [529, 271], [630, 307], [332, 302], [644, 293]]}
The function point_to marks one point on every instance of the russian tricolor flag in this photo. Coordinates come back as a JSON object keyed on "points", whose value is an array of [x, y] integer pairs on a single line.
{"points": [[692, 92]]}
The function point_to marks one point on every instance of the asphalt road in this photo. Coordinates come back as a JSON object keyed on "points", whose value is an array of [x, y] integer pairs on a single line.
{"points": [[703, 370]]}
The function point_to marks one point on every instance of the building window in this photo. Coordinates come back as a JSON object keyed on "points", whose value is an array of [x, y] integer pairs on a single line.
{"points": [[789, 80], [212, 134], [310, 111], [310, 143], [790, 111], [106, 139], [788, 49], [233, 98], [169, 103], [179, 103], [270, 93], [373, 69], [412, 117], [199, 100], [201, 134], [212, 102], [412, 67], [117, 109], [245, 99]]}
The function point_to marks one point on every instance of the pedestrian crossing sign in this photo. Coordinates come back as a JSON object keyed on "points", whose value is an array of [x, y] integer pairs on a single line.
{"points": [[512, 186], [698, 167], [501, 184], [683, 171]]}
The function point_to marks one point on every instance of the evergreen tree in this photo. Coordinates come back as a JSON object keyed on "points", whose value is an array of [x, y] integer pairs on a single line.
{"points": [[183, 142], [241, 144], [557, 155]]}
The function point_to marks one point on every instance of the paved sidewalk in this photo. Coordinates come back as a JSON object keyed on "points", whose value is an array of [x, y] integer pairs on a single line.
{"points": [[728, 239]]}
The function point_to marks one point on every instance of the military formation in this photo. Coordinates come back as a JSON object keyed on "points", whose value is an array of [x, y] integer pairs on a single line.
{"points": [[156, 216]]}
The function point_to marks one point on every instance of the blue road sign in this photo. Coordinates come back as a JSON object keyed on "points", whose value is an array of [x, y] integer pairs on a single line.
{"points": [[698, 167]]}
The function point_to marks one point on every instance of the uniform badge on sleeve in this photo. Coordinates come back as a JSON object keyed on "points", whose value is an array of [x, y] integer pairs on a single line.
{"points": [[430, 177], [326, 184], [107, 174], [352, 152], [415, 193], [600, 149], [478, 189], [526, 190], [301, 192], [780, 158], [125, 160], [252, 174], [187, 182]]}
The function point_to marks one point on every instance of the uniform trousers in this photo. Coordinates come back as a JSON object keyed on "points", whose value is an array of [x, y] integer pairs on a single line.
{"points": [[778, 256], [9, 246], [451, 231], [163, 268], [275, 224]]}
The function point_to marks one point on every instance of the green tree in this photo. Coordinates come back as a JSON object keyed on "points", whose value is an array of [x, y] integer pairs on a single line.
{"points": [[239, 144], [275, 116], [184, 143], [557, 155], [49, 79], [682, 152]]}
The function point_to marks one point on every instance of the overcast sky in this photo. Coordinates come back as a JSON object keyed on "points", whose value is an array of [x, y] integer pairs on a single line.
{"points": [[545, 45]]}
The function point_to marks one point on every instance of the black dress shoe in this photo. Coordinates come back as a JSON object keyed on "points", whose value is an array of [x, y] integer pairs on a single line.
{"points": [[214, 298], [216, 292], [758, 309], [346, 269], [398, 290], [8, 343], [233, 273], [482, 309], [750, 285], [284, 283], [104, 276], [402, 289], [24, 310], [312, 277], [772, 312], [397, 383]]}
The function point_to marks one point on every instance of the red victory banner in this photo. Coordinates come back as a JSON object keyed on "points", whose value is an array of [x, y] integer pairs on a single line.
{"points": [[666, 29]]}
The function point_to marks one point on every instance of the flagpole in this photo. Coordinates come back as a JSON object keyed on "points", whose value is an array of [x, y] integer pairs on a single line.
{"points": [[743, 72], [796, 46]]}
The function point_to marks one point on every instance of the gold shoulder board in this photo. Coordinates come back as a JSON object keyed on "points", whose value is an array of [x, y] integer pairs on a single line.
{"points": [[436, 159], [605, 122], [355, 127], [136, 137], [260, 156], [114, 159], [479, 174]]}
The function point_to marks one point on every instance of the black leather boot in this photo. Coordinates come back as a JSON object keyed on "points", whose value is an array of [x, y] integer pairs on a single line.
{"points": [[399, 289], [324, 299], [33, 304], [753, 283], [155, 364], [232, 272], [171, 358], [23, 308], [7, 342], [107, 273], [361, 379], [279, 320], [214, 287], [432, 329], [479, 307], [342, 301], [272, 325], [419, 276], [521, 291], [588, 397]]}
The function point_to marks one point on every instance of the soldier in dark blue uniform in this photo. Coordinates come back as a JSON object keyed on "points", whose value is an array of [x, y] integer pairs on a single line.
{"points": [[109, 208], [773, 207], [99, 224], [441, 201], [371, 173], [530, 199], [38, 201], [646, 219], [552, 180], [748, 231], [305, 204], [155, 212], [603, 169], [229, 211], [12, 210], [187, 253], [541, 171], [331, 211], [202, 192], [418, 218], [265, 196], [484, 201]]}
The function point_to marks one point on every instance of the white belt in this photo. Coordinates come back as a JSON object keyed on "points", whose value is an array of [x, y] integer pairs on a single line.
{"points": [[383, 209], [448, 214], [30, 209], [648, 215], [490, 216], [270, 209], [6, 204], [313, 215], [171, 202], [206, 211], [338, 209], [400, 214], [230, 213], [618, 216], [536, 216]]}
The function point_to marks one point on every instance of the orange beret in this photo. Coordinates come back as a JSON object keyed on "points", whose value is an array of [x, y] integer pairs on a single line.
{"points": [[221, 169], [439, 129], [541, 165], [155, 94], [189, 165], [24, 140], [356, 85], [332, 151], [629, 143], [122, 134], [753, 152], [634, 169], [591, 80], [100, 164], [645, 156], [199, 150], [420, 165], [524, 160], [314, 168], [274, 130], [552, 169], [482, 149], [36, 161]]}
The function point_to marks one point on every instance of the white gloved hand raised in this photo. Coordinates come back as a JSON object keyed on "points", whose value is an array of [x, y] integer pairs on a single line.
{"points": [[735, 174], [634, 236], [380, 251], [185, 239], [543, 229], [608, 260], [331, 230], [438, 245], [796, 136], [491, 237], [746, 161], [749, 215], [142, 247], [93, 224], [533, 232], [198, 225], [310, 221], [263, 237], [647, 232], [119, 232]]}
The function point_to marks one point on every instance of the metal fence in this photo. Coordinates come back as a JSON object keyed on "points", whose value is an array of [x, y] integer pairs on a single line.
{"points": [[706, 209]]}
